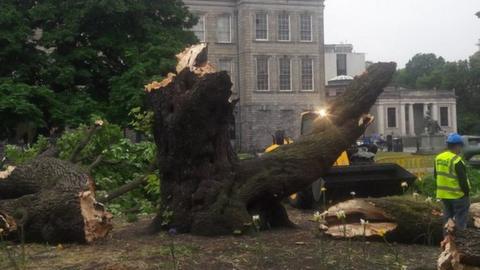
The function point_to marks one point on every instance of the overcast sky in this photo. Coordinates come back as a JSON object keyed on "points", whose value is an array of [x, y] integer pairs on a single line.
{"points": [[395, 30]]}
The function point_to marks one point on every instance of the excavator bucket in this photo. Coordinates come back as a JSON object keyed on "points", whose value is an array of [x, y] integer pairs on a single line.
{"points": [[366, 180], [361, 181]]}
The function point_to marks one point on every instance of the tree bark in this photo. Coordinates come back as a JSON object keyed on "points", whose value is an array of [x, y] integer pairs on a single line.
{"points": [[461, 249], [403, 219], [205, 189], [52, 201]]}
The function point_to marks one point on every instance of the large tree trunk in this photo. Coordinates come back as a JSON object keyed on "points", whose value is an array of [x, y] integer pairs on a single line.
{"points": [[402, 219], [50, 200], [205, 189]]}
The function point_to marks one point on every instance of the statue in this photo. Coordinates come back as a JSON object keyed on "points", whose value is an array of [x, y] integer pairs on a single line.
{"points": [[431, 126]]}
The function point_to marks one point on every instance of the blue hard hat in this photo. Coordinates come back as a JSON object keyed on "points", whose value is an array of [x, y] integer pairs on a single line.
{"points": [[454, 138]]}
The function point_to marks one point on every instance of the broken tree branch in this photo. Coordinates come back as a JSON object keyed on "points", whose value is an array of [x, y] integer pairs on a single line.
{"points": [[137, 182], [78, 149], [95, 163]]}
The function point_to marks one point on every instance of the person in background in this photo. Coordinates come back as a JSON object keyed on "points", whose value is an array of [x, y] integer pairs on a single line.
{"points": [[453, 185]]}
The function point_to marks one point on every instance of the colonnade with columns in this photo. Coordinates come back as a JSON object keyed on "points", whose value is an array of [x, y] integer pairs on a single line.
{"points": [[410, 116]]}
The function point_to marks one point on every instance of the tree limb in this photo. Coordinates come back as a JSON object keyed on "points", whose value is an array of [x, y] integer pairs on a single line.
{"points": [[91, 131], [137, 182], [95, 163]]}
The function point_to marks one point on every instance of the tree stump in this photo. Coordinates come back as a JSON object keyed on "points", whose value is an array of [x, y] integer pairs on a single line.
{"points": [[49, 200], [205, 189], [461, 249]]}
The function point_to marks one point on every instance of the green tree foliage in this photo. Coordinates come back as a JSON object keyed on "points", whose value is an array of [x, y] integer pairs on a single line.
{"points": [[23, 103], [93, 55], [422, 71], [123, 161], [427, 71]]}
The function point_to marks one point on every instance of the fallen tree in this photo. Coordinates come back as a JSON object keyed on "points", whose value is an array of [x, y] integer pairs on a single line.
{"points": [[461, 249], [205, 189], [400, 219], [50, 200]]}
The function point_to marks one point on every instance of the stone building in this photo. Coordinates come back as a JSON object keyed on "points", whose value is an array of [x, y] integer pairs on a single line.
{"points": [[274, 52], [341, 60], [396, 106], [402, 112]]}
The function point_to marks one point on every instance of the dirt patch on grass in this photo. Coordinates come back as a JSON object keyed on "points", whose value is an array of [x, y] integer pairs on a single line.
{"points": [[130, 248]]}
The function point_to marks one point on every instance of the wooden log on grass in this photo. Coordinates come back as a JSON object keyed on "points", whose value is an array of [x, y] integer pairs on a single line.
{"points": [[50, 200], [403, 219]]}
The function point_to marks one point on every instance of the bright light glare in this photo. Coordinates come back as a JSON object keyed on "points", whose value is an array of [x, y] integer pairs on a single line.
{"points": [[322, 112]]}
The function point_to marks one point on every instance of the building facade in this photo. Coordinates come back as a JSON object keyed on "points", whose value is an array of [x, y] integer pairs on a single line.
{"points": [[341, 60], [402, 112], [274, 52]]}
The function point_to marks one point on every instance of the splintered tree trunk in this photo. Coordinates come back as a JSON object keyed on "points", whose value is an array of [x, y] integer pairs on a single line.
{"points": [[401, 219], [461, 249], [205, 189], [50, 200]]}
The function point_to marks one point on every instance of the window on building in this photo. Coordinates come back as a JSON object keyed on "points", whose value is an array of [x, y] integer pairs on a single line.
{"points": [[341, 64], [307, 74], [225, 65], [306, 27], [224, 28], [392, 117], [261, 26], [262, 74], [199, 28], [444, 119], [285, 76], [284, 27]]}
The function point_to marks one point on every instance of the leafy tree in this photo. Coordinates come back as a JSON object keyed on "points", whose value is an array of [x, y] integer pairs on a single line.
{"points": [[422, 71], [469, 97], [93, 55], [427, 71], [21, 103], [110, 48]]}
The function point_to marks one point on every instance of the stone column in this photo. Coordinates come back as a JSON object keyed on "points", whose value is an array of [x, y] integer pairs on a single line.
{"points": [[403, 122], [453, 117], [381, 119], [425, 109], [435, 112], [411, 119]]}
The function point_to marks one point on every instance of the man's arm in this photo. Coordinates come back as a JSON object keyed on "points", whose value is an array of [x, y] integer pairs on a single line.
{"points": [[462, 178]]}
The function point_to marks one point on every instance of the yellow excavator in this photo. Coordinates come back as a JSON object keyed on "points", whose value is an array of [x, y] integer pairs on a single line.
{"points": [[355, 172]]}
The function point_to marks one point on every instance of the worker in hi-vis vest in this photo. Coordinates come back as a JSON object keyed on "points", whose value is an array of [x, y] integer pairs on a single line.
{"points": [[453, 186]]}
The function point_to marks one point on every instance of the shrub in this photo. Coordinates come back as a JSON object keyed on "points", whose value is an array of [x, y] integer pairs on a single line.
{"points": [[427, 186], [18, 155]]}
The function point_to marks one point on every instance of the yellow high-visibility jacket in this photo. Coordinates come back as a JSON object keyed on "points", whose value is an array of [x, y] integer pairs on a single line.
{"points": [[448, 185]]}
